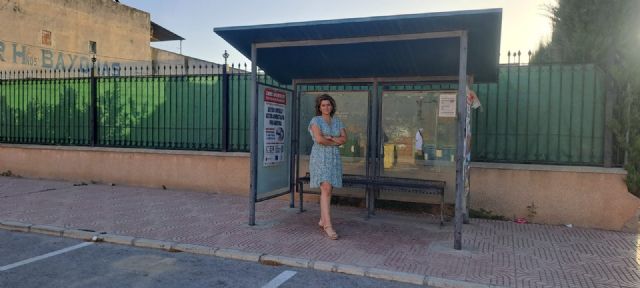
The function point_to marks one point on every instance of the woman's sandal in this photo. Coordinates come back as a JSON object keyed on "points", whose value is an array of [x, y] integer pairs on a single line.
{"points": [[330, 232]]}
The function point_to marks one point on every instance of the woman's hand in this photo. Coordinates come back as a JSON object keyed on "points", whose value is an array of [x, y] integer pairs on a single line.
{"points": [[321, 139], [333, 140], [339, 140]]}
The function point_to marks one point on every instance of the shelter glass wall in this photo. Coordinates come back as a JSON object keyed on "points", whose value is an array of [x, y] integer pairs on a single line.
{"points": [[419, 139], [403, 111], [352, 109]]}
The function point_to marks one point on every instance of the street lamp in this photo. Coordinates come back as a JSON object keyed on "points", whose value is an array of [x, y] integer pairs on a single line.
{"points": [[225, 55]]}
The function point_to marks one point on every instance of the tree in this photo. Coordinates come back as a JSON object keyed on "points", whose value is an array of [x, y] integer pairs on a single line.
{"points": [[606, 33]]}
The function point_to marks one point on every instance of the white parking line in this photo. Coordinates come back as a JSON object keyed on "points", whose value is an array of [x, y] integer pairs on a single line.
{"points": [[283, 277], [37, 258]]}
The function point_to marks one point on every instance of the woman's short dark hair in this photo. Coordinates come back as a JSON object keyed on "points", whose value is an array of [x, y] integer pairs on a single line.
{"points": [[321, 98]]}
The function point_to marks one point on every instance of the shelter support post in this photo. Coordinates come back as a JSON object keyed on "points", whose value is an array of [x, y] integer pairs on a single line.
{"points": [[461, 116], [293, 175], [467, 199], [254, 134]]}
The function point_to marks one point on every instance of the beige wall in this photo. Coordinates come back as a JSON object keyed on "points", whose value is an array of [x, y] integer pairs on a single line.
{"points": [[200, 171], [178, 62], [582, 196], [122, 34]]}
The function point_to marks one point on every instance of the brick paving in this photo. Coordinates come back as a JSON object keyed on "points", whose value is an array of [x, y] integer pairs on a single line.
{"points": [[495, 252]]}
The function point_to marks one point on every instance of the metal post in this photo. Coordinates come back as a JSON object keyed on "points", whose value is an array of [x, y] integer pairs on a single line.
{"points": [[254, 135], [378, 143], [293, 127], [94, 103], [370, 150], [467, 198], [225, 109], [462, 116], [296, 119]]}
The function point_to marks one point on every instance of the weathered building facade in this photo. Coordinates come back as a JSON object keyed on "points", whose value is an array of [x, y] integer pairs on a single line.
{"points": [[65, 34]]}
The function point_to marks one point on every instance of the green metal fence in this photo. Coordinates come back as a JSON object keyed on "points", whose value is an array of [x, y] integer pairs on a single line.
{"points": [[202, 108], [545, 114], [541, 114], [534, 114], [44, 111]]}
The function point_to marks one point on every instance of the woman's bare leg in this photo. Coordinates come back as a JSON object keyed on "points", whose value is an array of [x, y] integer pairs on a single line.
{"points": [[325, 204], [325, 210]]}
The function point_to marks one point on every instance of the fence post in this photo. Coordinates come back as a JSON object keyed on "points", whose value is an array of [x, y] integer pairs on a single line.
{"points": [[225, 109], [611, 97], [94, 104]]}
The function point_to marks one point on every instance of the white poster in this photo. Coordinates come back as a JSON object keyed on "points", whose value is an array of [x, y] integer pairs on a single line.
{"points": [[274, 126], [447, 107]]}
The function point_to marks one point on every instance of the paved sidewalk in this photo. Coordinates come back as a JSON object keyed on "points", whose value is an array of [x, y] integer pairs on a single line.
{"points": [[495, 252]]}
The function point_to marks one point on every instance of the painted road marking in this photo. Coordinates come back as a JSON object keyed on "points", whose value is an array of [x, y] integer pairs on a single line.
{"points": [[283, 277], [45, 256]]}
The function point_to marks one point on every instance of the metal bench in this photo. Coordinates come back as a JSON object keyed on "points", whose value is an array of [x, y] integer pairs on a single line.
{"points": [[381, 183]]}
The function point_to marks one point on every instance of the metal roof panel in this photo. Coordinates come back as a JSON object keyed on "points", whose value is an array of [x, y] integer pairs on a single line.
{"points": [[423, 57]]}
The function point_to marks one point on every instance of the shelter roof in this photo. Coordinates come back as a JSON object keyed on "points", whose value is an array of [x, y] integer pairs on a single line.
{"points": [[401, 58]]}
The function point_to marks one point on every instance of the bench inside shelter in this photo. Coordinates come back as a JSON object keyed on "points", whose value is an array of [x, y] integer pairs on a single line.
{"points": [[381, 183]]}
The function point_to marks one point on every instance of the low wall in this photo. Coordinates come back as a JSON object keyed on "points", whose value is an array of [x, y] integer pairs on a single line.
{"points": [[200, 171], [582, 196]]}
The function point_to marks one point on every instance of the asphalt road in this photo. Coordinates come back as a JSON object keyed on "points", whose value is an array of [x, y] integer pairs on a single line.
{"points": [[34, 260]]}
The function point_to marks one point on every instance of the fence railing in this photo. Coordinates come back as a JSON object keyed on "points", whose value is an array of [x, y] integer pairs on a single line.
{"points": [[534, 113], [167, 107], [541, 114]]}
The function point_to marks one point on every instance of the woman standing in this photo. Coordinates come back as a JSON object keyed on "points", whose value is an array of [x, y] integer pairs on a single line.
{"points": [[325, 165]]}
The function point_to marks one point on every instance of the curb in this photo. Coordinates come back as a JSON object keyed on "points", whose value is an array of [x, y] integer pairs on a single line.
{"points": [[261, 258]]}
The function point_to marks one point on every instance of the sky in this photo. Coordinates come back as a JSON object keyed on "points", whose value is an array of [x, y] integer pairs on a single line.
{"points": [[525, 23]]}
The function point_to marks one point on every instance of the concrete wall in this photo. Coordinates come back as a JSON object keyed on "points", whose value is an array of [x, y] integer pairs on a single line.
{"points": [[582, 196], [200, 171], [122, 34], [178, 62]]}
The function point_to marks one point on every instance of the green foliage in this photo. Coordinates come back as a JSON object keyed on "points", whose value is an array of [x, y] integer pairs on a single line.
{"points": [[606, 33], [485, 214], [633, 169], [590, 31]]}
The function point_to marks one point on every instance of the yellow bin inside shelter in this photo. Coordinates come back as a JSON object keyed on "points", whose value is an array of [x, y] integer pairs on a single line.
{"points": [[389, 155]]}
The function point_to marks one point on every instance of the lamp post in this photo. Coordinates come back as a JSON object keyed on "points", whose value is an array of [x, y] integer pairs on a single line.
{"points": [[225, 104], [93, 65], [94, 102], [225, 55]]}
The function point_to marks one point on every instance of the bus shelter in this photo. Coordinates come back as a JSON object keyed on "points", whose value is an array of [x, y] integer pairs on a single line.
{"points": [[395, 66]]}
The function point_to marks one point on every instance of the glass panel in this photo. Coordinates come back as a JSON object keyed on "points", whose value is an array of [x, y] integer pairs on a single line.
{"points": [[352, 109], [417, 142]]}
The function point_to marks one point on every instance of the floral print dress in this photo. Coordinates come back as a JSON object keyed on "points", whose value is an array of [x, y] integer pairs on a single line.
{"points": [[325, 164]]}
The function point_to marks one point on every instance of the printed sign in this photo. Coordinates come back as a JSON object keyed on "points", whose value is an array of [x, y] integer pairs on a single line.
{"points": [[447, 105], [275, 102]]}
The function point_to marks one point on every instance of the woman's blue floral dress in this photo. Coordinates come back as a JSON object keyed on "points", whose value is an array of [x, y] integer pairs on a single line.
{"points": [[325, 164]]}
